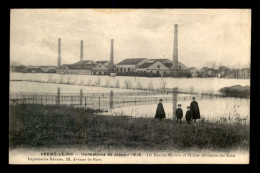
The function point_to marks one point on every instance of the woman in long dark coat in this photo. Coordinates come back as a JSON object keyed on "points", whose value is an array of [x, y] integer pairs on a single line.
{"points": [[194, 108], [160, 111]]}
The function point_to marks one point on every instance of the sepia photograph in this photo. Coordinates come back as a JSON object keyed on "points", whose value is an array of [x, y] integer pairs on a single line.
{"points": [[129, 86]]}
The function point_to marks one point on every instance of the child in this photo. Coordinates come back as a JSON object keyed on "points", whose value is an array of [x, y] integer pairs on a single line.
{"points": [[188, 115], [179, 113], [160, 111]]}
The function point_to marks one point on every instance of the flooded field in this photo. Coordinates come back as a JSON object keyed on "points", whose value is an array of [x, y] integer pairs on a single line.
{"points": [[211, 108], [200, 85]]}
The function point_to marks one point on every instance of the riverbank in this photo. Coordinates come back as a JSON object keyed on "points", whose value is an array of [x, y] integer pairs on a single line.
{"points": [[33, 126]]}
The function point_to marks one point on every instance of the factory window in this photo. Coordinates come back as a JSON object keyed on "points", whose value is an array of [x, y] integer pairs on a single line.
{"points": [[99, 72], [157, 72], [99, 66], [179, 66], [124, 69], [164, 72], [121, 69], [158, 66], [128, 69], [151, 72]]}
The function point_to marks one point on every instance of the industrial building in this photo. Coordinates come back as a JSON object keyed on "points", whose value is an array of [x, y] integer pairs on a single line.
{"points": [[85, 67]]}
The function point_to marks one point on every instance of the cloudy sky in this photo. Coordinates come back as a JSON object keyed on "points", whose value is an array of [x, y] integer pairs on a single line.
{"points": [[205, 36]]}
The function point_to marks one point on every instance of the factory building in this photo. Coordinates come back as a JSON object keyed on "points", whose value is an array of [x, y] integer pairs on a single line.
{"points": [[85, 67]]}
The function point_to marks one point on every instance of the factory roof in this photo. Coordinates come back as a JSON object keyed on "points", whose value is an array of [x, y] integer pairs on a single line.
{"points": [[83, 62], [131, 61], [169, 65], [146, 65], [102, 62]]}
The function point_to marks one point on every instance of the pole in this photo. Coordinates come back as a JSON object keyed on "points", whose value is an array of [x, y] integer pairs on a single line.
{"points": [[174, 101], [85, 102], [111, 99], [81, 97], [58, 97]]}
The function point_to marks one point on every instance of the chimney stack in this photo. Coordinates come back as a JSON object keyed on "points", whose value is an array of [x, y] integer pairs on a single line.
{"points": [[59, 52], [112, 55], [81, 50], [175, 48]]}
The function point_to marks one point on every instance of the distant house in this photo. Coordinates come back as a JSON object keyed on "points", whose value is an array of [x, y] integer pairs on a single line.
{"points": [[100, 68], [20, 68], [159, 67], [34, 70], [87, 67], [130, 64], [105, 63], [201, 71], [155, 67], [210, 72], [245, 73], [222, 72], [81, 67], [232, 73], [47, 69]]}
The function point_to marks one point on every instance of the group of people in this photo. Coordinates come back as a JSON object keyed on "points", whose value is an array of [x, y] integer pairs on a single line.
{"points": [[192, 113]]}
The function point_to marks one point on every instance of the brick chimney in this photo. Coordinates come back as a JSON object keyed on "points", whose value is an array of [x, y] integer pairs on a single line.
{"points": [[59, 52], [175, 48], [81, 50]]}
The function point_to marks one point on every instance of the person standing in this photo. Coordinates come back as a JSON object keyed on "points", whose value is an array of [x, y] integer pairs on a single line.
{"points": [[179, 113], [188, 115], [194, 108], [160, 113]]}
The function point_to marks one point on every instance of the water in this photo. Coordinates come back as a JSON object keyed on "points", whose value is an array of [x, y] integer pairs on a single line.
{"points": [[211, 109], [200, 85]]}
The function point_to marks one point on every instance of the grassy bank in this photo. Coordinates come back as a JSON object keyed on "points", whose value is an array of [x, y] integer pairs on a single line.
{"points": [[52, 126]]}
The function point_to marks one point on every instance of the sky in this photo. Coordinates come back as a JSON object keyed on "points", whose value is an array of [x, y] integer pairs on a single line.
{"points": [[205, 36]]}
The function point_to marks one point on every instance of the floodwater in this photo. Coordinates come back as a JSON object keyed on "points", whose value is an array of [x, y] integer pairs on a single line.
{"points": [[200, 85], [211, 109]]}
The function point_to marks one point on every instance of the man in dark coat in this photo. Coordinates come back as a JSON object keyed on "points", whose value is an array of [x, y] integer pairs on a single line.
{"points": [[188, 115], [179, 113], [194, 108], [160, 111]]}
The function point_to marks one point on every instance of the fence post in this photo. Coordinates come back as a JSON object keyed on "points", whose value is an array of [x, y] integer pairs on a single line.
{"points": [[58, 97], [111, 99], [85, 102], [80, 97], [174, 102]]}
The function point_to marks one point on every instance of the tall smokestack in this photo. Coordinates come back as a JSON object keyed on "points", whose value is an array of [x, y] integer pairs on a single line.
{"points": [[175, 48], [112, 54], [59, 52], [81, 50]]}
